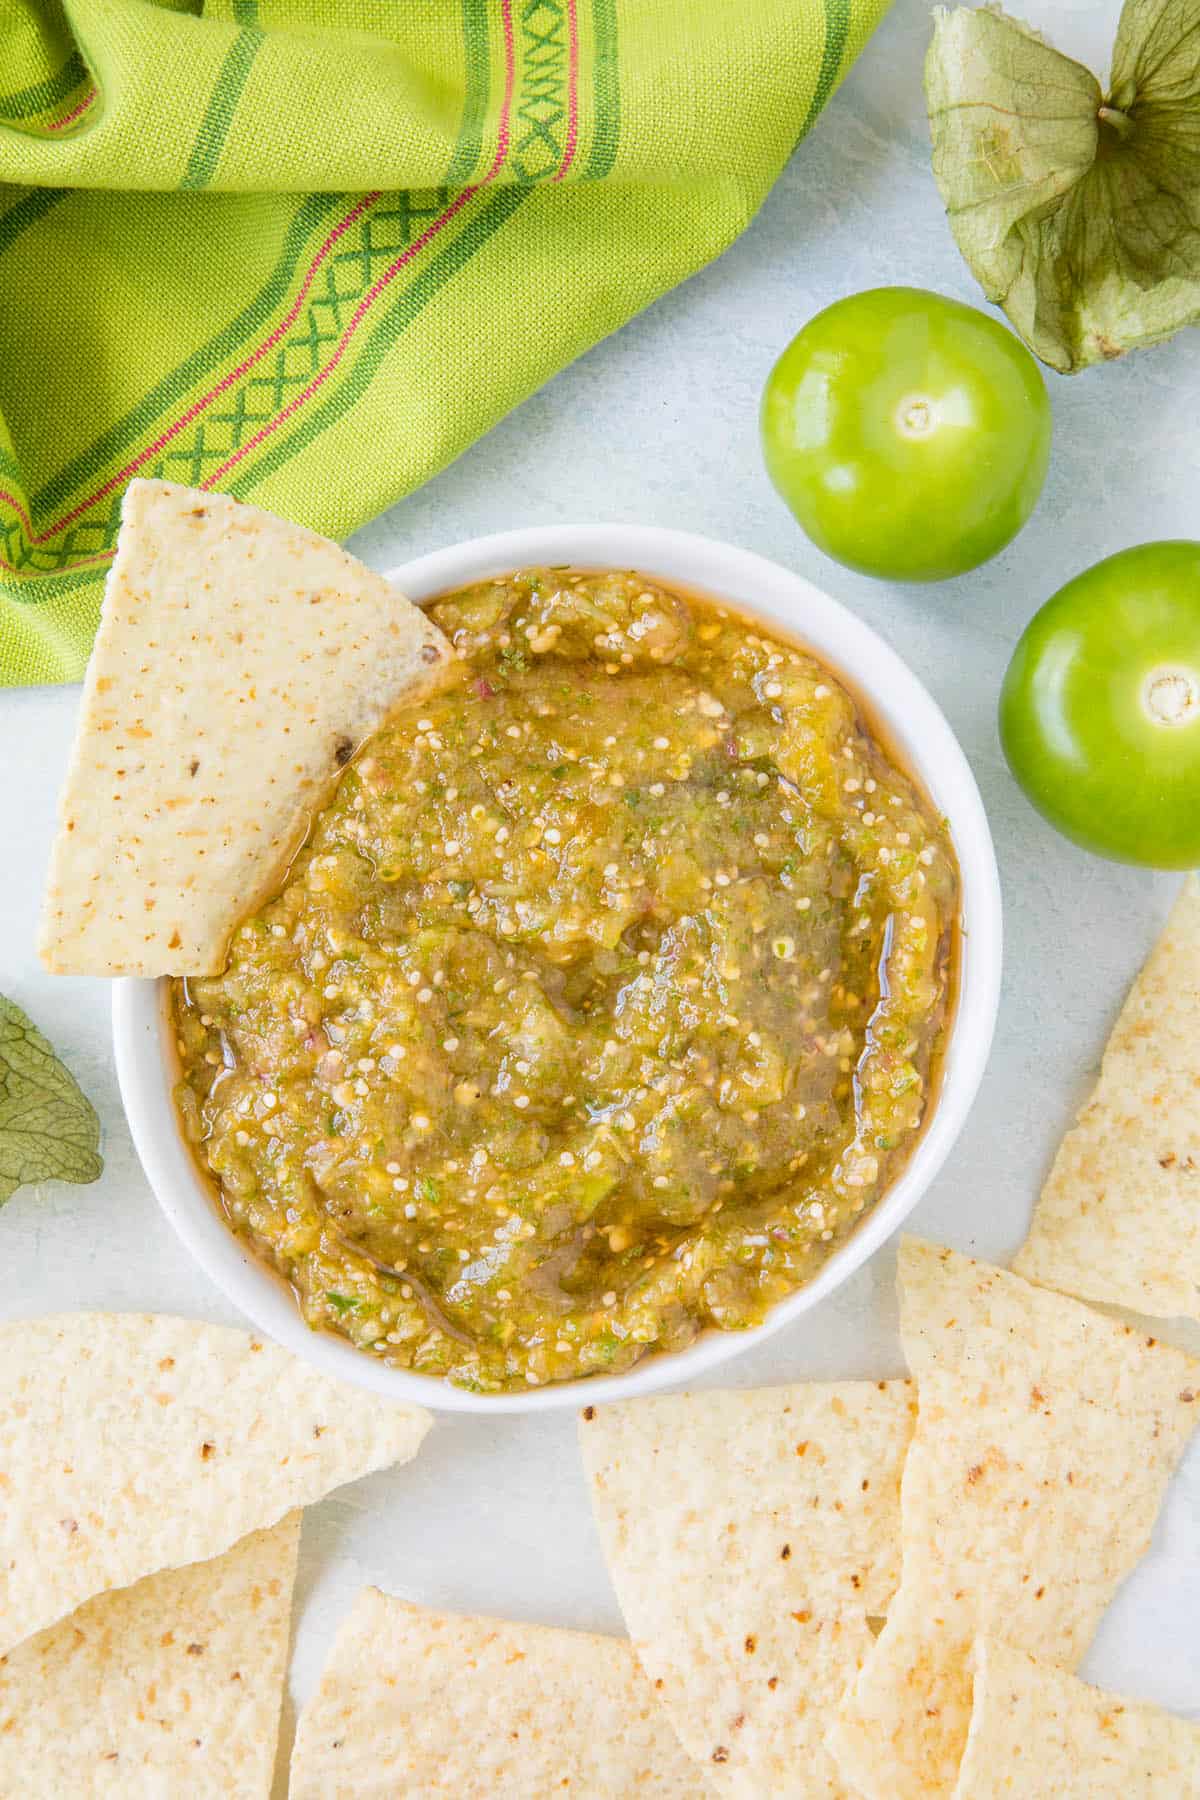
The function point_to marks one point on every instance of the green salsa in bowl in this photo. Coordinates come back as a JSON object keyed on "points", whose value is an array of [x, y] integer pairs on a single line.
{"points": [[599, 1020]]}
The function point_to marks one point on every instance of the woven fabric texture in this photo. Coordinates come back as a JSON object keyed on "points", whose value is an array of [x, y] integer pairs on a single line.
{"points": [[305, 251]]}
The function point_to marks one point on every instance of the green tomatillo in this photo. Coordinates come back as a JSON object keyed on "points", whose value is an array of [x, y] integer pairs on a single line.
{"points": [[908, 433], [1100, 708]]}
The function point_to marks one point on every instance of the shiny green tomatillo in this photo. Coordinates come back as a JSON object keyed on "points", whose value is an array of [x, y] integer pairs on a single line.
{"points": [[908, 433], [1100, 709]]}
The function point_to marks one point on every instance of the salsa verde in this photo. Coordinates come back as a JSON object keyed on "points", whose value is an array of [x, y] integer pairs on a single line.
{"points": [[601, 1002]]}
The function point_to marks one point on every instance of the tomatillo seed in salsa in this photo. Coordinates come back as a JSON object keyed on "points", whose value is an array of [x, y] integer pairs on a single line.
{"points": [[599, 1005]]}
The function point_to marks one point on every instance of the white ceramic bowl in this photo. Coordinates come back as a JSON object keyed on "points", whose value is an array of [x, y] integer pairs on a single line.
{"points": [[925, 743]]}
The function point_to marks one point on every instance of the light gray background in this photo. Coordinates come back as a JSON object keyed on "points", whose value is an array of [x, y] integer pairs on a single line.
{"points": [[658, 425]]}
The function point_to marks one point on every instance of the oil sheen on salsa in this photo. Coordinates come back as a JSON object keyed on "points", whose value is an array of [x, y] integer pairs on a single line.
{"points": [[600, 1003]]}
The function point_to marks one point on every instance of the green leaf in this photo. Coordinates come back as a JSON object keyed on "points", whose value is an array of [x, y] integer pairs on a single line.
{"points": [[342, 1303], [48, 1130], [1077, 210]]}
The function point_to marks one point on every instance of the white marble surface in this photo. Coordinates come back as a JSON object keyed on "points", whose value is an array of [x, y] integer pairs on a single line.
{"points": [[659, 425]]}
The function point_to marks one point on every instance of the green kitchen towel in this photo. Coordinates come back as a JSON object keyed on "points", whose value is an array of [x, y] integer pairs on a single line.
{"points": [[306, 251]]}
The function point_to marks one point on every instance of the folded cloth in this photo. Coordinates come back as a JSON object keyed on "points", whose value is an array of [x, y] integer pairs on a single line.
{"points": [[306, 251]]}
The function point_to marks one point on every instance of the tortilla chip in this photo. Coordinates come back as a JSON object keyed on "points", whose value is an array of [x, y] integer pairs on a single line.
{"points": [[750, 1536], [1119, 1217], [240, 661], [170, 1687], [1039, 1734], [415, 1702], [131, 1443], [1046, 1435]]}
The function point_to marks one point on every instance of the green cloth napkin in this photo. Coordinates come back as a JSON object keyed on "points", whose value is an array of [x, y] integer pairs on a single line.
{"points": [[306, 250]]}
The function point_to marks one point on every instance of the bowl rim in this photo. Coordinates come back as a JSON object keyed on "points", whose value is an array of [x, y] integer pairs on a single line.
{"points": [[925, 742]]}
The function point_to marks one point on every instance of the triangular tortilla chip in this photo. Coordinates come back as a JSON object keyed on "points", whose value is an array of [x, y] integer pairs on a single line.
{"points": [[169, 1687], [1046, 1435], [1119, 1217], [750, 1537], [1037, 1733], [415, 1702], [131, 1443], [240, 661]]}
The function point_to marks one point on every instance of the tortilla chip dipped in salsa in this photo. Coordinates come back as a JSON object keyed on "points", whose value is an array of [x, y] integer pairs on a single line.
{"points": [[1119, 1216], [131, 1443], [170, 1687], [422, 1703], [1038, 1733], [239, 663], [1046, 1435], [753, 1538]]}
